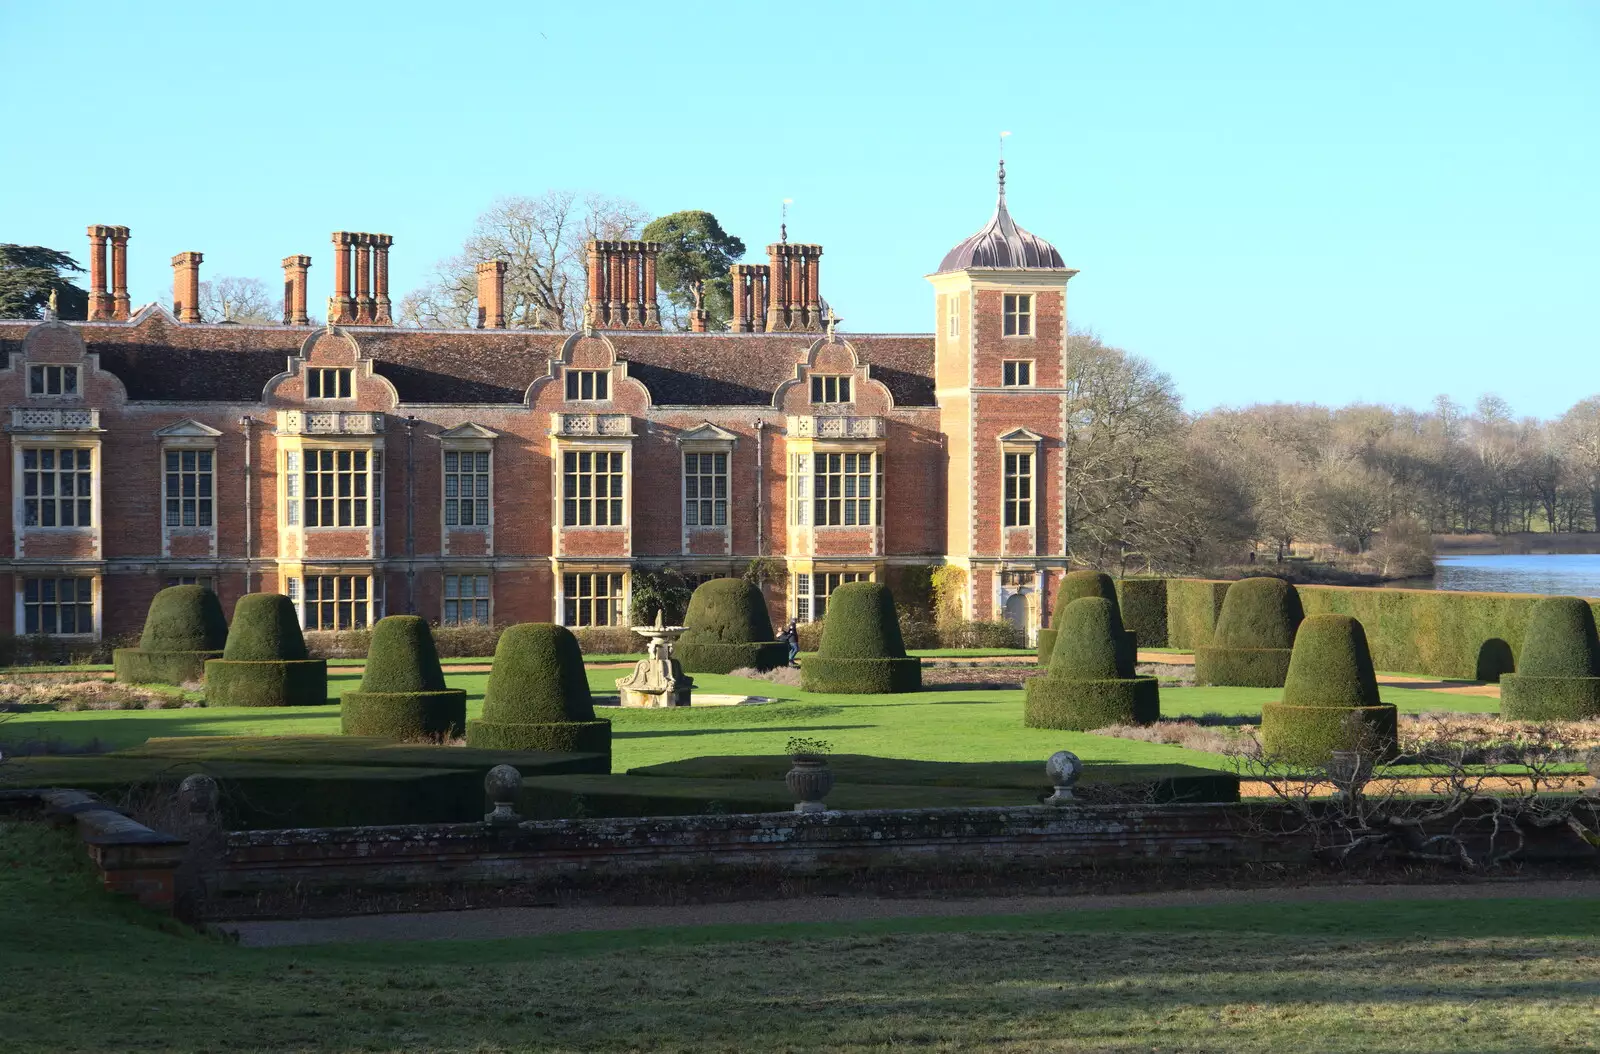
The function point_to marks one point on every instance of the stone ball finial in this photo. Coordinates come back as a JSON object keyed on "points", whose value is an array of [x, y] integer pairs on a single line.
{"points": [[1063, 768], [199, 793], [503, 784]]}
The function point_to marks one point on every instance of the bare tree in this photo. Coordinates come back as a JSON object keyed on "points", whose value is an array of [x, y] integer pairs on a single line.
{"points": [[542, 239], [228, 298]]}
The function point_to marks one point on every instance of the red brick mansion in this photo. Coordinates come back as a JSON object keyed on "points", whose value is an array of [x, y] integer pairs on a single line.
{"points": [[511, 475]]}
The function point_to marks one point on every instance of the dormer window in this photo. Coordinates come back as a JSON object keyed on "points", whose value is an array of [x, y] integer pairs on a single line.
{"points": [[588, 385], [326, 382], [1018, 315], [52, 380], [830, 389]]}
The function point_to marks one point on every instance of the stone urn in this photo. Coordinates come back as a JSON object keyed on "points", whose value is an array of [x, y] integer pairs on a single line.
{"points": [[809, 780]]}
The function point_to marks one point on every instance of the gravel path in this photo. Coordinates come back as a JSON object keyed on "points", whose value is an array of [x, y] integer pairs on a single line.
{"points": [[490, 923]]}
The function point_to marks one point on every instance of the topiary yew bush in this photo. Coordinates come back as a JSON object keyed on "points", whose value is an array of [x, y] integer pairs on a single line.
{"points": [[265, 661], [1090, 683], [402, 693], [1075, 586], [1559, 676], [1254, 636], [728, 628], [1330, 697], [183, 628], [538, 695], [1142, 603], [862, 652]]}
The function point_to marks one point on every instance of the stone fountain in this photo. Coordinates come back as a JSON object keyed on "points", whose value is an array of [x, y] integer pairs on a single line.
{"points": [[657, 679]]}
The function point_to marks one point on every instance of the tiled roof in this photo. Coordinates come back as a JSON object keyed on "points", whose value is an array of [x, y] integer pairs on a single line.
{"points": [[158, 360]]}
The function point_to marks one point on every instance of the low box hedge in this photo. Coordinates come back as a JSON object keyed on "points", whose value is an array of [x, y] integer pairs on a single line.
{"points": [[1242, 667], [359, 750], [1308, 735], [1080, 706], [404, 715], [860, 676], [137, 666], [1162, 783], [273, 682], [725, 658]]}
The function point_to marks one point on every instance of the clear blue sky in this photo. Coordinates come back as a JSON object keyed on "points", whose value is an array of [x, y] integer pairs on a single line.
{"points": [[1271, 201]]}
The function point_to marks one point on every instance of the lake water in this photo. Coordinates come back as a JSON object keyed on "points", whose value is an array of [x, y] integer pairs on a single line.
{"points": [[1559, 574]]}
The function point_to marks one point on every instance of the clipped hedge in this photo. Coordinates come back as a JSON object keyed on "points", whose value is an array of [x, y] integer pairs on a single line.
{"points": [[1330, 698], [1193, 607], [402, 693], [538, 695], [1254, 635], [1143, 605], [1090, 682], [183, 628], [265, 662], [728, 628], [862, 651], [1560, 675]]}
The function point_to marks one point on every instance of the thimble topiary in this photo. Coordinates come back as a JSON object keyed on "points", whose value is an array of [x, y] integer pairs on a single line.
{"points": [[728, 628], [265, 662], [1254, 635], [402, 693], [1090, 682], [862, 651], [1075, 586], [1558, 672], [1330, 697], [183, 628], [538, 695]]}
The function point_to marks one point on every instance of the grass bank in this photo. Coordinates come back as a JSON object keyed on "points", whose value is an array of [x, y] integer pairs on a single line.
{"points": [[88, 973]]}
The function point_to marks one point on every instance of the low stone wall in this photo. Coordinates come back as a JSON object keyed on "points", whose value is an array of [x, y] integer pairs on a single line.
{"points": [[256, 865], [131, 858]]}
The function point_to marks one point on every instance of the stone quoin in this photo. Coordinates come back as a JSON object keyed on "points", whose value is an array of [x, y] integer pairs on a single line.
{"points": [[522, 475]]}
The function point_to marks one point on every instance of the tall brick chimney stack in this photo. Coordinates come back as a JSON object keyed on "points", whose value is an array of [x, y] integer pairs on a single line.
{"points": [[381, 315], [121, 307], [100, 301], [699, 319], [749, 297], [294, 290], [492, 294], [360, 279], [622, 284], [186, 286], [794, 300]]}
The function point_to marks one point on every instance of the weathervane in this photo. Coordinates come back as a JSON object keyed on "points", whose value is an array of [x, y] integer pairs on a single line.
{"points": [[783, 226], [1003, 165]]}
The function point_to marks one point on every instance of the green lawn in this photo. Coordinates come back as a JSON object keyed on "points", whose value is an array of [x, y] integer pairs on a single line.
{"points": [[88, 973], [972, 725]]}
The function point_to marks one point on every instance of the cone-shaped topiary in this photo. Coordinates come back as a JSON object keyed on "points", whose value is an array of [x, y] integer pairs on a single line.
{"points": [[183, 628], [538, 695], [1075, 586], [1091, 682], [728, 628], [1558, 678], [402, 694], [1330, 697], [862, 651], [1254, 636], [265, 662]]}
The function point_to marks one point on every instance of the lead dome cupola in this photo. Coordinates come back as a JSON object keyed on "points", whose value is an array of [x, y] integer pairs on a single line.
{"points": [[1002, 244]]}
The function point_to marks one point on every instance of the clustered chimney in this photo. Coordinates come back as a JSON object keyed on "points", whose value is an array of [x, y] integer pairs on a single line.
{"points": [[492, 294], [106, 241], [622, 285], [749, 297], [365, 301], [294, 290], [186, 286], [794, 298]]}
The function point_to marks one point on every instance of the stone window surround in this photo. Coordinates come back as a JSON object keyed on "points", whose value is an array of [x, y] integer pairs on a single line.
{"points": [[1023, 441], [1024, 310], [589, 567], [809, 568], [180, 437], [97, 607], [293, 580], [466, 574], [1031, 364]]}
